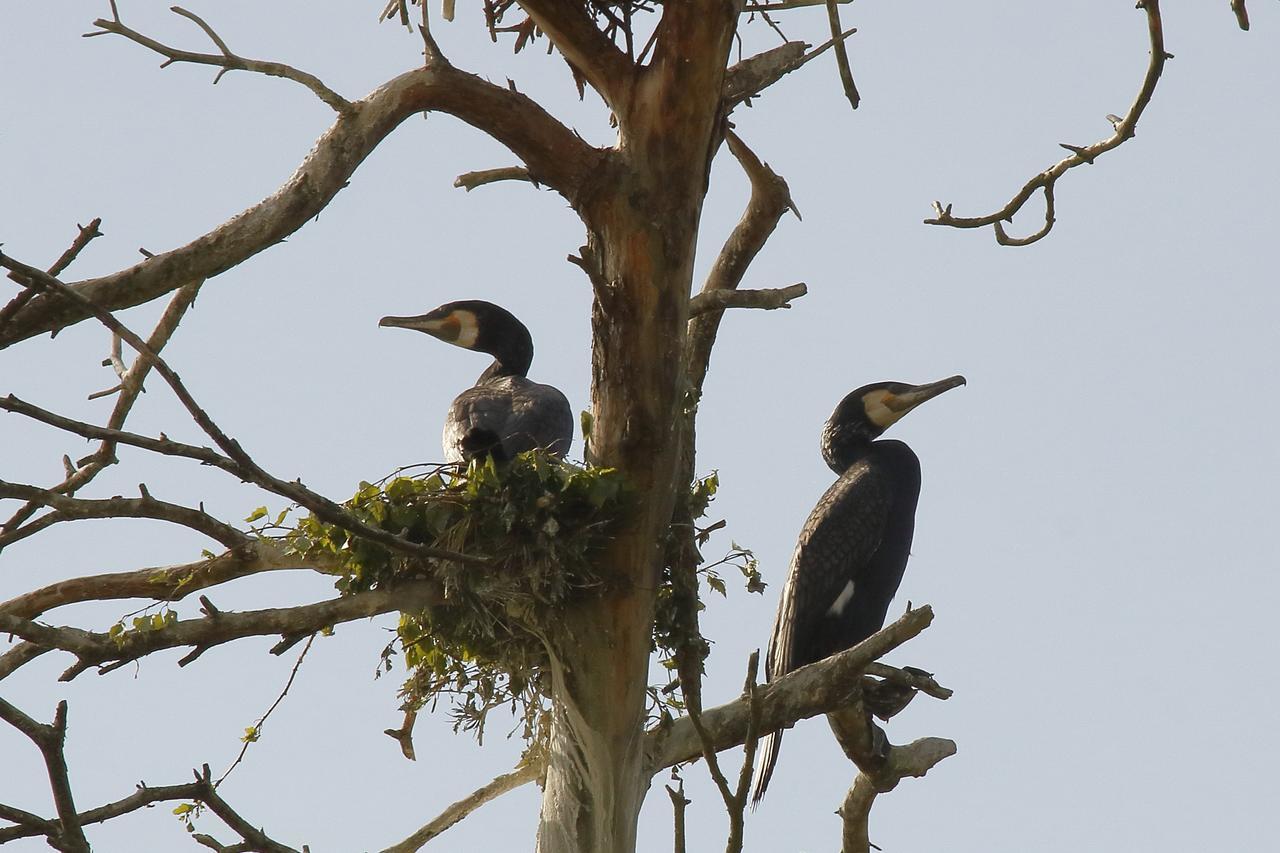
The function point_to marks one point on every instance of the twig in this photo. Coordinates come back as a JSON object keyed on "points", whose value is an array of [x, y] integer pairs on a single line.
{"points": [[768, 299], [1125, 129], [783, 5], [679, 805], [257, 727], [226, 60], [470, 180], [1241, 13], [842, 55], [464, 807]]}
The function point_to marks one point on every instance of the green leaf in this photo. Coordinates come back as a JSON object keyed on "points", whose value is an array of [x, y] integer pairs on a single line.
{"points": [[260, 512]]}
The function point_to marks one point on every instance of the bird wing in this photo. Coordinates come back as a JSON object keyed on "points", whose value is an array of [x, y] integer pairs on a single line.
{"points": [[509, 413], [838, 541]]}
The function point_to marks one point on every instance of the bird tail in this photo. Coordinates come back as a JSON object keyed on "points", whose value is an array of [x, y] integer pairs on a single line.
{"points": [[766, 758]]}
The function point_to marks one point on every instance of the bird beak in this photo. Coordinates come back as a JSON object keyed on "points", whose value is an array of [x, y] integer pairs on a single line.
{"points": [[905, 401], [446, 328]]}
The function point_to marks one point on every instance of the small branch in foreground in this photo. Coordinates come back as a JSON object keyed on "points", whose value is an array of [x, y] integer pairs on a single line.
{"points": [[751, 76], [470, 180], [1125, 129], [679, 805], [768, 299], [226, 60]]}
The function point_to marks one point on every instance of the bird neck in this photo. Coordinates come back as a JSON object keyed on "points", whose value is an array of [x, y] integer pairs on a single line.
{"points": [[501, 368], [512, 351]]}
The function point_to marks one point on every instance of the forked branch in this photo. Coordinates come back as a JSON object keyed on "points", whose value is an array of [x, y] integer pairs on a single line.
{"points": [[1125, 129], [224, 59]]}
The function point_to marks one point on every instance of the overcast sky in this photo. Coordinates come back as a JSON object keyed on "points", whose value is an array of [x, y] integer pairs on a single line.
{"points": [[1096, 526]]}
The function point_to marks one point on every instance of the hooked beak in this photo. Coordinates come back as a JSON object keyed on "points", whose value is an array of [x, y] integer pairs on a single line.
{"points": [[905, 401], [446, 328]]}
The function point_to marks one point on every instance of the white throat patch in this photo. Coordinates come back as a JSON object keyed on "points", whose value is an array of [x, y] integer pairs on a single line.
{"points": [[468, 329], [877, 412]]}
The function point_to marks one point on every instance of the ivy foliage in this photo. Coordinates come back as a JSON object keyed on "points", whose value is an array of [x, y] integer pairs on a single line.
{"points": [[539, 521]]}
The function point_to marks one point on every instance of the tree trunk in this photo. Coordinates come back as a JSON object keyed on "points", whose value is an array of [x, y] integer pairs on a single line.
{"points": [[642, 215]]}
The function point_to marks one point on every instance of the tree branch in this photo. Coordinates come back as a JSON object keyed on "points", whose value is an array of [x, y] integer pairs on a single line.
{"points": [[130, 388], [754, 74], [201, 790], [226, 60], [573, 32], [92, 648], [1241, 13], [87, 233], [1125, 129], [67, 834], [555, 156], [164, 583], [470, 180], [807, 692], [69, 509], [770, 199], [464, 807], [769, 299], [915, 759]]}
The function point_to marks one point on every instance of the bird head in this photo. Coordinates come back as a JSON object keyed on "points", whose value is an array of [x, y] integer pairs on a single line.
{"points": [[864, 414], [476, 325]]}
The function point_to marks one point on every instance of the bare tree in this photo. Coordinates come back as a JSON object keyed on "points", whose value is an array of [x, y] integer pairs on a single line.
{"points": [[665, 75]]}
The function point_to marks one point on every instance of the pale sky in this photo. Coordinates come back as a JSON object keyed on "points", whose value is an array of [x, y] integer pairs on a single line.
{"points": [[1094, 531]]}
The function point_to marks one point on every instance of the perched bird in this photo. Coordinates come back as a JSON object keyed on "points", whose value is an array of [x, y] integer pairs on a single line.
{"points": [[505, 412], [854, 546]]}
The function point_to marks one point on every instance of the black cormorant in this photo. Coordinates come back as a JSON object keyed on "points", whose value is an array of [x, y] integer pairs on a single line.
{"points": [[505, 412], [854, 546]]}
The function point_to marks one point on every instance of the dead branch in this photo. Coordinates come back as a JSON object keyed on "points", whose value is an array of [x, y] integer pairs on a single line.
{"points": [[163, 583], [784, 5], [770, 199], [226, 60], [754, 74], [65, 833], [768, 299], [470, 180], [464, 807], [555, 156], [1125, 129], [679, 805], [93, 648]]}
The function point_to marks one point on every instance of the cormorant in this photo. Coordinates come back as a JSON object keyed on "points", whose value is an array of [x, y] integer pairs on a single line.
{"points": [[854, 546], [505, 412]]}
